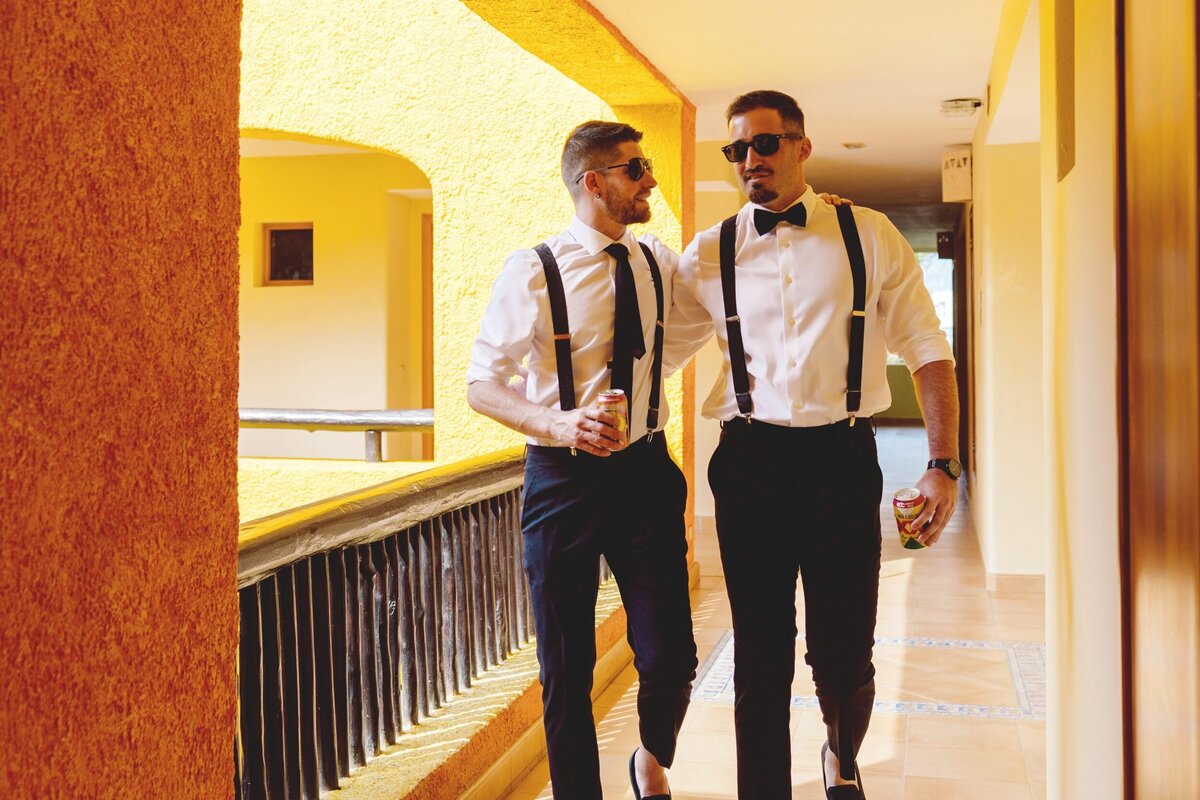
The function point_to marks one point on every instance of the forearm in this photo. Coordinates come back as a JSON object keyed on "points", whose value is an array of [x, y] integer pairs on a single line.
{"points": [[937, 393], [510, 409]]}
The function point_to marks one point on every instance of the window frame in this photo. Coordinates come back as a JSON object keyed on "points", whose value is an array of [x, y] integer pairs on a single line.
{"points": [[267, 228]]}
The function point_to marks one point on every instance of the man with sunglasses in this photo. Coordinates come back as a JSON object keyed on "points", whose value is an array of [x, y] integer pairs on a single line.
{"points": [[585, 311], [806, 301]]}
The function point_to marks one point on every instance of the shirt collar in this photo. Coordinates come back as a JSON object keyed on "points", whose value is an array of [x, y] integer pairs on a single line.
{"points": [[594, 241], [809, 200]]}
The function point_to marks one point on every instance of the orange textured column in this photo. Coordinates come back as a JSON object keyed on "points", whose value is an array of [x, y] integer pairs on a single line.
{"points": [[118, 385]]}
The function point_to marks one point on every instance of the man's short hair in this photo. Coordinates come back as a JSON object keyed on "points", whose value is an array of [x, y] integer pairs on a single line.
{"points": [[793, 117], [592, 145]]}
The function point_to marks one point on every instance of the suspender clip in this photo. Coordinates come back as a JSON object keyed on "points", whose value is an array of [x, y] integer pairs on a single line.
{"points": [[851, 420], [734, 318], [857, 313], [572, 451], [650, 436]]}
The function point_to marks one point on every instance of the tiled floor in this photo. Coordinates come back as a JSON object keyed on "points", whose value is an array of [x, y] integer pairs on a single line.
{"points": [[960, 709]]}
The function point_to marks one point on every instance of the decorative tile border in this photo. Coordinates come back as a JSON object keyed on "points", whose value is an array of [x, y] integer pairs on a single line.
{"points": [[1026, 662]]}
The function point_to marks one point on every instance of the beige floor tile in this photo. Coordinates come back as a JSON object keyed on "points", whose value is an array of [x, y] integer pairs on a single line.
{"points": [[919, 788], [703, 779], [1033, 744], [710, 747], [711, 718], [878, 756], [999, 766], [536, 781], [995, 734]]}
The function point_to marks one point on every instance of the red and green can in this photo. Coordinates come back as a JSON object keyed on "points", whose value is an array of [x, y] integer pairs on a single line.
{"points": [[908, 505]]}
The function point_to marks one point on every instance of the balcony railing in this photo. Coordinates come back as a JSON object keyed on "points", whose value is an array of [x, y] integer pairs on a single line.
{"points": [[373, 423], [362, 614]]}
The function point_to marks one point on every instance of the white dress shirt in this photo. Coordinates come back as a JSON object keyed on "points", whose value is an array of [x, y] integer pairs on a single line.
{"points": [[517, 326], [794, 298]]}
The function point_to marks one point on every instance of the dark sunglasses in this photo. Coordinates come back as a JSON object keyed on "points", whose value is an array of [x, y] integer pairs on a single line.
{"points": [[765, 144], [636, 167]]}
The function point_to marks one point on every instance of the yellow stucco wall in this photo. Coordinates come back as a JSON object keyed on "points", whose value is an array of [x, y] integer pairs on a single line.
{"points": [[483, 118], [351, 340]]}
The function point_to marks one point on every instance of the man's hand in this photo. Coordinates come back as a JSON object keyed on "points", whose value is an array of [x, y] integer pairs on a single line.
{"points": [[588, 429], [834, 200], [941, 497]]}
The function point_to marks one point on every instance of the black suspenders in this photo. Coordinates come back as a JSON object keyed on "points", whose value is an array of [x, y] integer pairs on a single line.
{"points": [[733, 324], [562, 334], [858, 315]]}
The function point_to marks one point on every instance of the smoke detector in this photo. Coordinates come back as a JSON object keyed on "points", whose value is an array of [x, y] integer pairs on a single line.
{"points": [[960, 106]]}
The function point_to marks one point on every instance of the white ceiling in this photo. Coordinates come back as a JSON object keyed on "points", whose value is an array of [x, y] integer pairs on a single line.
{"points": [[871, 71]]}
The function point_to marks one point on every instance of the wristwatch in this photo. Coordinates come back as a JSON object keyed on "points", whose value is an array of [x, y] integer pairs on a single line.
{"points": [[950, 466]]}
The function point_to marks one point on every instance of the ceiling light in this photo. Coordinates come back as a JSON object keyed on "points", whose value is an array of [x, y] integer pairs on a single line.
{"points": [[960, 106], [854, 145]]}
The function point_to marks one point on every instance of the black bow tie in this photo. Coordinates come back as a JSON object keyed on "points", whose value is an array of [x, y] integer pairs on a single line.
{"points": [[765, 221]]}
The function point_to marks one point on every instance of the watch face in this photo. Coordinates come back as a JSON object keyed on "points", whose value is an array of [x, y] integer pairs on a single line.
{"points": [[948, 465]]}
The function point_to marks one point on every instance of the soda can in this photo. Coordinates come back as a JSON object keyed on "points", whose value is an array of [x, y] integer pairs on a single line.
{"points": [[613, 401], [908, 505]]}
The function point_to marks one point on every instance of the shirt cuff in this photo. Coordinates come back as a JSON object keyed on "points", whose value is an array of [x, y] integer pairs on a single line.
{"points": [[926, 351]]}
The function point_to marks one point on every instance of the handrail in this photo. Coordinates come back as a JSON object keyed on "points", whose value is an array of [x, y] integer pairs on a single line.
{"points": [[372, 422], [367, 515], [363, 614]]}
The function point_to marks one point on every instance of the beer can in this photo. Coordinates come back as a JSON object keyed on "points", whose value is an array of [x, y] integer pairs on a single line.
{"points": [[908, 505], [613, 401]]}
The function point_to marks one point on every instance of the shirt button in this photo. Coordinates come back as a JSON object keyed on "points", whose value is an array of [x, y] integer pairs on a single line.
{"points": [[788, 280], [786, 243], [792, 364], [791, 322]]}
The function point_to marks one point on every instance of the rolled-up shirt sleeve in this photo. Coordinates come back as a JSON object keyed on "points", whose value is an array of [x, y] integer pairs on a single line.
{"points": [[507, 330], [911, 326], [688, 325]]}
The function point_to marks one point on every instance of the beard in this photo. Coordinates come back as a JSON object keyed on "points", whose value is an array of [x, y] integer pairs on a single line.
{"points": [[757, 192], [627, 212]]}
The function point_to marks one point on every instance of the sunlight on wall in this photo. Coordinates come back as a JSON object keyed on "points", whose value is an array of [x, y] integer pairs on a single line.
{"points": [[480, 116]]}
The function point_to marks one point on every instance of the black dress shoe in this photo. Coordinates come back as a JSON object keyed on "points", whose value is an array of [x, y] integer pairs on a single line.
{"points": [[844, 792], [637, 791]]}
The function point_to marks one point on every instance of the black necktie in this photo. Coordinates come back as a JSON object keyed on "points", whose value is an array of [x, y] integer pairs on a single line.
{"points": [[765, 221], [628, 340]]}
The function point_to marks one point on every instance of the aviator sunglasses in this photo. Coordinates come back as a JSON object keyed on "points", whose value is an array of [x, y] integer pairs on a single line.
{"points": [[636, 167], [765, 144]]}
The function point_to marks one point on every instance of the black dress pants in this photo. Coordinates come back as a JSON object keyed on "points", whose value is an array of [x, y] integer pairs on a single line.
{"points": [[627, 507], [798, 501]]}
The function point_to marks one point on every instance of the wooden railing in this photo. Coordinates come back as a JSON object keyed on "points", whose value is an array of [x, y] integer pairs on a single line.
{"points": [[362, 614]]}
